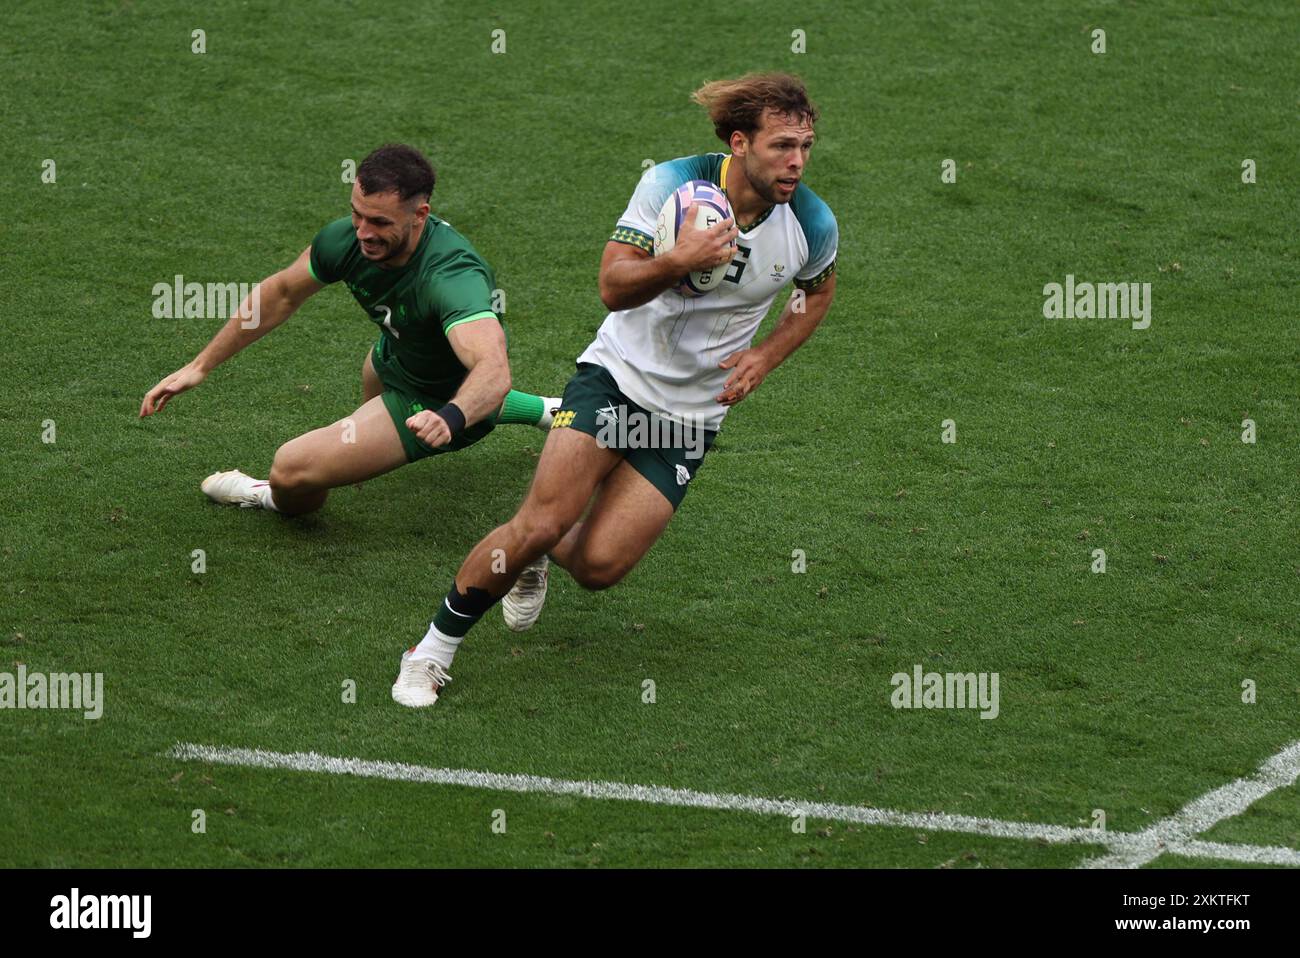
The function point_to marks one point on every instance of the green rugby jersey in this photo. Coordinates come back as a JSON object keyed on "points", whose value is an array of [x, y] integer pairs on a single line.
{"points": [[444, 283]]}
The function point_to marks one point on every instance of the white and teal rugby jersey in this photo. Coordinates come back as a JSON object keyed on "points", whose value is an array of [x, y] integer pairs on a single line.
{"points": [[664, 354]]}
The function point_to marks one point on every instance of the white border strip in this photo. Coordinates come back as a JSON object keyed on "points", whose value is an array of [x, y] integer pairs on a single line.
{"points": [[1138, 847]]}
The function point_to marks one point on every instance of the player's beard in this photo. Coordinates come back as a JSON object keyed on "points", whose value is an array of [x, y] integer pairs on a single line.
{"points": [[764, 185], [394, 250]]}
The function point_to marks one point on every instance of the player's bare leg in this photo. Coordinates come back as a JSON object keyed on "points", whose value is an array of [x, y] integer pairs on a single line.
{"points": [[627, 518], [571, 466], [553, 505], [371, 386], [359, 447]]}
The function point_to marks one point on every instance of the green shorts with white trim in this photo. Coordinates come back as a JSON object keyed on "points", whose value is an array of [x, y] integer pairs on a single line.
{"points": [[665, 452]]}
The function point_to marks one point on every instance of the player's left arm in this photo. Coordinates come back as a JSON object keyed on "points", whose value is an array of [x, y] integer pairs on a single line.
{"points": [[802, 315], [480, 345]]}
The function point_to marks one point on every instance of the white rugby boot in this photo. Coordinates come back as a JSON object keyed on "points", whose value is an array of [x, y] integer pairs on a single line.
{"points": [[523, 603], [233, 488], [419, 681]]}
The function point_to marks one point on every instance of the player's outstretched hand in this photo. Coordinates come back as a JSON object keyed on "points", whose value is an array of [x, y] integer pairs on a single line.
{"points": [[430, 428], [750, 368], [187, 377], [704, 248]]}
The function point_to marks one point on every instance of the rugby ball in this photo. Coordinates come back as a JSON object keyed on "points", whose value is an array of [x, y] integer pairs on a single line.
{"points": [[711, 208]]}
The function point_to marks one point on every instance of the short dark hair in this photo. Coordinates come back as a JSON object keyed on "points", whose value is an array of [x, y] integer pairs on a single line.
{"points": [[740, 104], [396, 166]]}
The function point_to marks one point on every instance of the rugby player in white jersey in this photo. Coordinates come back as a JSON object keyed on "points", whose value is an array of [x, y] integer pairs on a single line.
{"points": [[674, 359]]}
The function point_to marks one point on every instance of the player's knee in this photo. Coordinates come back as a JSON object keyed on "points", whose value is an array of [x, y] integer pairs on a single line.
{"points": [[540, 531], [597, 575], [289, 471]]}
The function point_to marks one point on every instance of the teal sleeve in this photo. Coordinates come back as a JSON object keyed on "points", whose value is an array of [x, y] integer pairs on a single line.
{"points": [[822, 234], [636, 226]]}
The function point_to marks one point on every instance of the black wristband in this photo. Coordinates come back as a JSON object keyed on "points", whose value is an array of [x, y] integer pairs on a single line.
{"points": [[454, 418]]}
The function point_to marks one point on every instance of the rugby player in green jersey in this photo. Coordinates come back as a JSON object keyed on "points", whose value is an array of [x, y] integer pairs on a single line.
{"points": [[437, 380]]}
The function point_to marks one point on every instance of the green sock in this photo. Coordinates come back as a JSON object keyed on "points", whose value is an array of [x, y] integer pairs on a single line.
{"points": [[522, 408]]}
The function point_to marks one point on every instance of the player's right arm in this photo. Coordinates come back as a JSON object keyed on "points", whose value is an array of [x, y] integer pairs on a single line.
{"points": [[270, 304], [629, 276]]}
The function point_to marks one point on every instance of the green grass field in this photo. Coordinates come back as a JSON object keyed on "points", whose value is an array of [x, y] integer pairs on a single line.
{"points": [[1119, 691]]}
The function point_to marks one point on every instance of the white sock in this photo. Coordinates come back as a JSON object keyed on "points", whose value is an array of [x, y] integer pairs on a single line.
{"points": [[263, 491], [437, 646], [551, 404]]}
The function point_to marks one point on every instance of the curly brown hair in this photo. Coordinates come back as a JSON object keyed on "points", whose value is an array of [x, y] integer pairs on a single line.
{"points": [[396, 166], [740, 104]]}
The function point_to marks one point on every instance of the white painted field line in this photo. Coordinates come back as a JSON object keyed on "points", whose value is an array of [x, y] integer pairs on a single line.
{"points": [[1178, 832], [650, 794], [1124, 847], [1250, 854]]}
